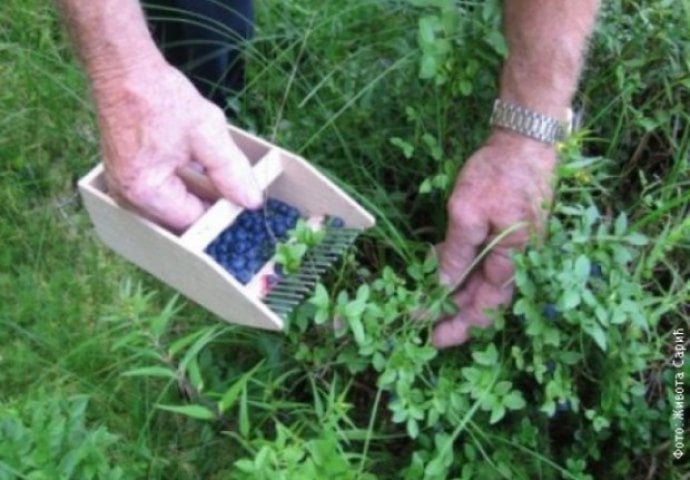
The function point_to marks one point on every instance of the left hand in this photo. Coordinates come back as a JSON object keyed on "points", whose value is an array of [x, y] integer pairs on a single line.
{"points": [[505, 182]]}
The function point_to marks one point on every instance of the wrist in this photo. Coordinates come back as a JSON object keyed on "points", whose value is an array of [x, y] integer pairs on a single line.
{"points": [[523, 149], [108, 69]]}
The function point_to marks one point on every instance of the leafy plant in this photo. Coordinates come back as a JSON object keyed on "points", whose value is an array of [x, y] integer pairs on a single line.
{"points": [[289, 254], [49, 439]]}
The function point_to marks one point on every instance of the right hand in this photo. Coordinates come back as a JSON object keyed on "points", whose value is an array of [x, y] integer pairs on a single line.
{"points": [[153, 122]]}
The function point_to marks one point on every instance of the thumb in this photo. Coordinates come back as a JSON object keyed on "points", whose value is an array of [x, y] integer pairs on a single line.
{"points": [[226, 165]]}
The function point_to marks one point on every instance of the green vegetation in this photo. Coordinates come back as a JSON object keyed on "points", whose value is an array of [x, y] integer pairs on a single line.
{"points": [[105, 373]]}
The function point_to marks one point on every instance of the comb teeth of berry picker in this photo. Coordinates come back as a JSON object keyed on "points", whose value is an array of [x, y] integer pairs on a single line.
{"points": [[291, 290]]}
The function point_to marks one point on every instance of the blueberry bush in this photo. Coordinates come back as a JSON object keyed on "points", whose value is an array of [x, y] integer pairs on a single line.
{"points": [[106, 373]]}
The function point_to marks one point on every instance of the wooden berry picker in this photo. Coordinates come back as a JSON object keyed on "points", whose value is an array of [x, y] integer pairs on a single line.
{"points": [[242, 265]]}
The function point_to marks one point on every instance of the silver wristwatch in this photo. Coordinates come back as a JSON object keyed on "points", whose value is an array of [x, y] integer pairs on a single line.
{"points": [[517, 118]]}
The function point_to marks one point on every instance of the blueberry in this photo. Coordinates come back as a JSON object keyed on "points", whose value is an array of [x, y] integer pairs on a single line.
{"points": [[241, 235], [267, 251], [595, 270], [260, 237], [336, 222], [550, 366], [291, 220], [550, 311], [280, 228], [238, 263], [390, 344], [253, 253], [254, 265], [243, 276], [258, 229], [240, 247], [279, 206], [272, 280], [279, 270], [241, 222], [563, 406], [228, 236]]}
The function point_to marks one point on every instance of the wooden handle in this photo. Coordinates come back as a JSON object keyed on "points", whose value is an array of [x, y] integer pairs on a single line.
{"points": [[198, 183], [265, 172]]}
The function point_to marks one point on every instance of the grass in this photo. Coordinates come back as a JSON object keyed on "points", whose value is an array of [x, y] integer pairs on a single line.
{"points": [[336, 82]]}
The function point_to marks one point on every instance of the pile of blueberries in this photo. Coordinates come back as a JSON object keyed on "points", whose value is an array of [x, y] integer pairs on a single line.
{"points": [[246, 245]]}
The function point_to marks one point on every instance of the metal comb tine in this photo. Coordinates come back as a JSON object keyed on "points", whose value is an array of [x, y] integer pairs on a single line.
{"points": [[287, 291], [292, 290], [278, 305], [293, 284], [286, 295], [283, 306], [302, 289]]}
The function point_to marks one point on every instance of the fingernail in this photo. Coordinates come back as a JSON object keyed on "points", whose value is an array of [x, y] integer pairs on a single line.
{"points": [[253, 197]]}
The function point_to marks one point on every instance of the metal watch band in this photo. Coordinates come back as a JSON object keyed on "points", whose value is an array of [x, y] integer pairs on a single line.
{"points": [[517, 118]]}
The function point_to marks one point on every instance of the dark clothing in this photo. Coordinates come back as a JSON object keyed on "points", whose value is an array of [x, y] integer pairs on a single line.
{"points": [[204, 38]]}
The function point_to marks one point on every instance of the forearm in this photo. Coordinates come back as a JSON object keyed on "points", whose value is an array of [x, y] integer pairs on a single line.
{"points": [[547, 40], [111, 37]]}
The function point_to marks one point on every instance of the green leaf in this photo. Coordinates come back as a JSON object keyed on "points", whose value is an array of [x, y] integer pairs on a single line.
{"points": [[357, 328], [428, 67], [497, 413], [514, 401], [582, 267], [406, 148], [412, 428], [427, 29], [489, 357], [244, 423], [194, 373], [199, 344], [621, 225], [160, 372], [637, 239], [193, 411], [160, 322], [322, 302], [182, 343], [597, 333], [569, 299], [231, 395]]}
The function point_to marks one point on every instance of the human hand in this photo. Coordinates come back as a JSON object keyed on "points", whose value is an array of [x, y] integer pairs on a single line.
{"points": [[153, 122], [504, 183]]}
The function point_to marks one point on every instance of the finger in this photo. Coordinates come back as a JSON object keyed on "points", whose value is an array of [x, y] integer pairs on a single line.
{"points": [[497, 267], [164, 200], [486, 296], [226, 165], [467, 230]]}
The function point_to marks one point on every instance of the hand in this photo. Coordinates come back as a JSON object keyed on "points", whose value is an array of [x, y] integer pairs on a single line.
{"points": [[153, 122], [504, 183]]}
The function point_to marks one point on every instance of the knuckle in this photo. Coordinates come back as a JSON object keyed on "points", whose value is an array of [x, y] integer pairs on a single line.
{"points": [[459, 210], [214, 115], [136, 190]]}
